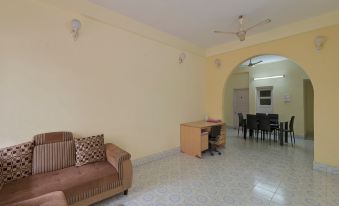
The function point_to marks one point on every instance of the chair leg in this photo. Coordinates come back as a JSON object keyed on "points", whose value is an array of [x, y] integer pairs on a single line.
{"points": [[293, 137], [126, 192], [210, 149], [238, 130]]}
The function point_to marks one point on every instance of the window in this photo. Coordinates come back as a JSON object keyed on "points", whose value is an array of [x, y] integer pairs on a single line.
{"points": [[265, 97]]}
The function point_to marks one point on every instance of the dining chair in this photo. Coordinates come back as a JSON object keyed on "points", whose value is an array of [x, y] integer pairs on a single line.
{"points": [[274, 123], [291, 129], [241, 122], [264, 127], [252, 124]]}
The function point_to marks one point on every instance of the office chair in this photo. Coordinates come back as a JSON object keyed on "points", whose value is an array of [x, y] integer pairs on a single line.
{"points": [[213, 139]]}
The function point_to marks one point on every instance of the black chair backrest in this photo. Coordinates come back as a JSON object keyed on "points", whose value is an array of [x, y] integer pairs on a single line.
{"points": [[261, 114], [241, 119], [264, 123], [215, 132], [291, 123], [274, 118], [252, 121]]}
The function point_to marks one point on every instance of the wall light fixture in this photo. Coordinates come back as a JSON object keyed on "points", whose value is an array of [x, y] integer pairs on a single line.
{"points": [[76, 25]]}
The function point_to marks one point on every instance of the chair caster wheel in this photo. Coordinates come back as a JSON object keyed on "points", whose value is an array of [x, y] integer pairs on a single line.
{"points": [[219, 153], [212, 154]]}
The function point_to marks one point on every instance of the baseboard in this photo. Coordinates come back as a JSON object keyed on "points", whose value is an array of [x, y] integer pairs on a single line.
{"points": [[156, 156], [325, 168]]}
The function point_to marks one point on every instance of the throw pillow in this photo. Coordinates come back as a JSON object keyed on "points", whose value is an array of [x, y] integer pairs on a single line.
{"points": [[16, 162], [53, 156], [89, 149]]}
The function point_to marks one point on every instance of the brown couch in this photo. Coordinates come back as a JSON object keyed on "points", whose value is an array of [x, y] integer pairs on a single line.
{"points": [[82, 185]]}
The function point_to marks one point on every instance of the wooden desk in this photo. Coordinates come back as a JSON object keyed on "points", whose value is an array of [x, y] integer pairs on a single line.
{"points": [[194, 136]]}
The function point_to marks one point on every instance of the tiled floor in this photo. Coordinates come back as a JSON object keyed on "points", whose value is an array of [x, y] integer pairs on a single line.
{"points": [[247, 173]]}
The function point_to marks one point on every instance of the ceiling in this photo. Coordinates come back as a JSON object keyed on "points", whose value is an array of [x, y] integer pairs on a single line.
{"points": [[265, 58], [194, 20]]}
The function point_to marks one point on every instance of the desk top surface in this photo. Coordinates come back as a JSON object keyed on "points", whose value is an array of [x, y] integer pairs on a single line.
{"points": [[203, 124]]}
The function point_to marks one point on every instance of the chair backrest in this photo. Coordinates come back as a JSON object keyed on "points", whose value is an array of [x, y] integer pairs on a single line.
{"points": [[241, 119], [53, 151], [274, 118], [261, 114], [215, 132], [252, 121], [264, 123], [291, 126]]}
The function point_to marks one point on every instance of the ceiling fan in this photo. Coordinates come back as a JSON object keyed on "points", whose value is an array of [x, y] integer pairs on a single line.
{"points": [[252, 64], [241, 34]]}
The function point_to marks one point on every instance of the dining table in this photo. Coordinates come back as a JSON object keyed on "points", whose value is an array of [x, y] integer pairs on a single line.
{"points": [[282, 129]]}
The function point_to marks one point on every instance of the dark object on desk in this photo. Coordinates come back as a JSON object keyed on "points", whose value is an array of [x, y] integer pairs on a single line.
{"points": [[213, 138], [252, 124], [241, 122]]}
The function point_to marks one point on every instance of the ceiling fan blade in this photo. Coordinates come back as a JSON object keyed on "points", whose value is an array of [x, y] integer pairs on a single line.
{"points": [[224, 32], [257, 62], [266, 21]]}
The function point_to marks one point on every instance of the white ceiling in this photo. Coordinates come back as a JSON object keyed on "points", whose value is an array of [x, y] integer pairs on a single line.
{"points": [[265, 58], [194, 20]]}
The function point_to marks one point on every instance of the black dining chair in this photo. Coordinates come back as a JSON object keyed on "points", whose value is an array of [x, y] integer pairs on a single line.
{"points": [[241, 122], [252, 124], [291, 129], [274, 122], [264, 127], [260, 116]]}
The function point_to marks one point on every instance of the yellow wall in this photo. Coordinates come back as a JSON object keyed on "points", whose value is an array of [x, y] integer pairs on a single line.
{"points": [[321, 67], [238, 80], [109, 81]]}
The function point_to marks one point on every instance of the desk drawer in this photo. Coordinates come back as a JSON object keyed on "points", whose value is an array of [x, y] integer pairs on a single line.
{"points": [[204, 142]]}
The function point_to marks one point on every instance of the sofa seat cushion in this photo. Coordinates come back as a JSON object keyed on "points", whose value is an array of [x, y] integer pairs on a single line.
{"points": [[77, 183], [50, 199]]}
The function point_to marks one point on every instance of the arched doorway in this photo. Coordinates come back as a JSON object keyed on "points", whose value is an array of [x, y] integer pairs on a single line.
{"points": [[270, 84]]}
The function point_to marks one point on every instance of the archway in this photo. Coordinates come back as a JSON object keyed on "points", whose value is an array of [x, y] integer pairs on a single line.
{"points": [[288, 86]]}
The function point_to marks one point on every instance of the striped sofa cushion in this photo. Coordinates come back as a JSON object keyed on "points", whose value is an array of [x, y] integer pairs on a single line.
{"points": [[52, 137], [53, 156]]}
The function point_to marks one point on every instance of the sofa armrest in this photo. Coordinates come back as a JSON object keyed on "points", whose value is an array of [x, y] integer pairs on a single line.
{"points": [[121, 161]]}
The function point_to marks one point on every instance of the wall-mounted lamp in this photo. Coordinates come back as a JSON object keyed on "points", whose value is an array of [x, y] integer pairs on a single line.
{"points": [[270, 77], [319, 42], [182, 58], [76, 25], [217, 63]]}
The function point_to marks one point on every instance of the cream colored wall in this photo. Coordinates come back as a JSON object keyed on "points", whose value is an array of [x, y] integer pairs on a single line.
{"points": [[322, 68], [291, 85], [238, 80], [109, 81]]}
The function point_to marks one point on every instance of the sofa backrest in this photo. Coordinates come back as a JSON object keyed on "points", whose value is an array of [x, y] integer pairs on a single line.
{"points": [[53, 151]]}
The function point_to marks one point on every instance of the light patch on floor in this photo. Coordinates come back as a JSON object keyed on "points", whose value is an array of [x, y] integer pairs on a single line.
{"points": [[248, 173]]}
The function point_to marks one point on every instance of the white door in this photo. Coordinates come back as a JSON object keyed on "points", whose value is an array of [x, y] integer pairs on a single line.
{"points": [[240, 104], [264, 103]]}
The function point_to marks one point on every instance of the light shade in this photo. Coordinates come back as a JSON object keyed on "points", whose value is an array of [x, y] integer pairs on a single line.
{"points": [[270, 77]]}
